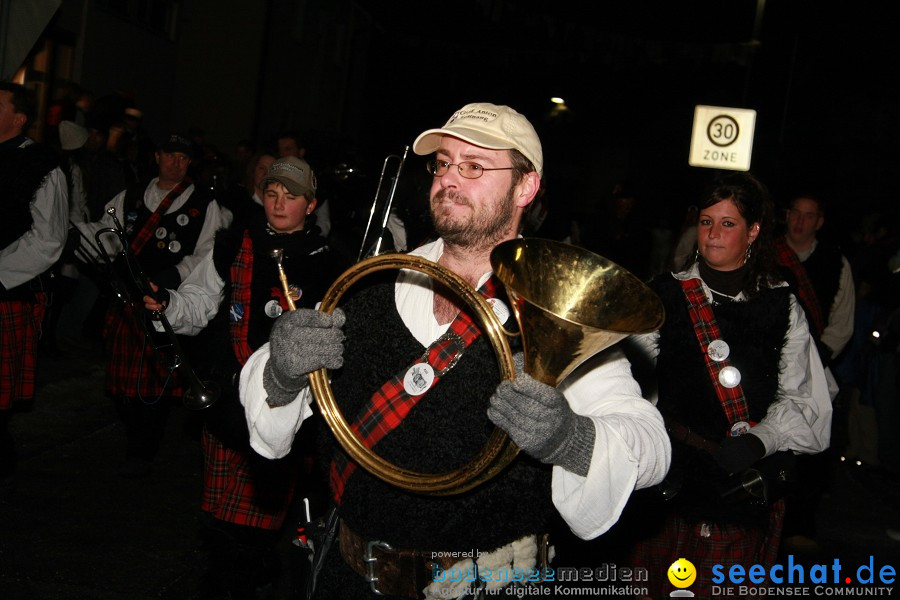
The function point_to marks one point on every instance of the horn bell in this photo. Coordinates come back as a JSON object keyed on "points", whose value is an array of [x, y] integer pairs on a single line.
{"points": [[570, 303]]}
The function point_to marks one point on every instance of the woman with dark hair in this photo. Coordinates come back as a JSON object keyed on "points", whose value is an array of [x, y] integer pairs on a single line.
{"points": [[740, 387]]}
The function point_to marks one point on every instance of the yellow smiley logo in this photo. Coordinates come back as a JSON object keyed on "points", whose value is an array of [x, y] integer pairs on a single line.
{"points": [[682, 573]]}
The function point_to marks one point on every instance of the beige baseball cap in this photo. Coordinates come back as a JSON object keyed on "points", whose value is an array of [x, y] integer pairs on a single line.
{"points": [[490, 126], [295, 174]]}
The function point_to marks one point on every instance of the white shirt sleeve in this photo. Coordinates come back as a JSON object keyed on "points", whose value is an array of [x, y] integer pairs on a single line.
{"points": [[800, 420], [631, 447], [40, 247], [272, 430], [839, 329], [215, 219], [78, 211], [197, 299]]}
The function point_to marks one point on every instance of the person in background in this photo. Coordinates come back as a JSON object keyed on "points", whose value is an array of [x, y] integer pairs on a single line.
{"points": [[740, 386], [247, 198], [821, 278], [231, 301], [33, 233], [819, 275], [72, 138], [169, 227]]}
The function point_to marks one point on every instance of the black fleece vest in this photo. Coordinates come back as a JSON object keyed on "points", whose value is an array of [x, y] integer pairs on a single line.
{"points": [[22, 171], [177, 233], [308, 263], [755, 332], [824, 269], [450, 422]]}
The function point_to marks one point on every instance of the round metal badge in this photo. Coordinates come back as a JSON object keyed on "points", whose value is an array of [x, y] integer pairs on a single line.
{"points": [[718, 350], [739, 428], [418, 379], [729, 377], [273, 309], [501, 311]]}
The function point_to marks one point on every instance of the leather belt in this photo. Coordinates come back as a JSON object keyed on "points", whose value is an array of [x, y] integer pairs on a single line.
{"points": [[682, 433], [403, 572], [391, 571]]}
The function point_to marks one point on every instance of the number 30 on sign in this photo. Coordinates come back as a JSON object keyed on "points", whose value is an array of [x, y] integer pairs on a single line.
{"points": [[722, 138]]}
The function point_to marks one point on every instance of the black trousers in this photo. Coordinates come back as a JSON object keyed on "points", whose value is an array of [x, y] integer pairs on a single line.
{"points": [[7, 446], [145, 424]]}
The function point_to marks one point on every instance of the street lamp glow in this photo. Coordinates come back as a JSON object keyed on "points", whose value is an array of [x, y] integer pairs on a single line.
{"points": [[557, 100]]}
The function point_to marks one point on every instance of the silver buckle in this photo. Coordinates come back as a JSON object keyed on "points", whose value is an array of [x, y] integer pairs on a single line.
{"points": [[457, 341], [370, 559]]}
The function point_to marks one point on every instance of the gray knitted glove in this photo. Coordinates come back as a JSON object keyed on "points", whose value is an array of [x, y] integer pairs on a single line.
{"points": [[301, 341], [538, 419]]}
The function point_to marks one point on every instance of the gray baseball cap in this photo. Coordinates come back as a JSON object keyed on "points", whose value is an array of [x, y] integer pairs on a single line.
{"points": [[295, 174]]}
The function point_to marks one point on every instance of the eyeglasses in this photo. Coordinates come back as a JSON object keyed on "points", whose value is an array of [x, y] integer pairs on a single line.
{"points": [[469, 170]]}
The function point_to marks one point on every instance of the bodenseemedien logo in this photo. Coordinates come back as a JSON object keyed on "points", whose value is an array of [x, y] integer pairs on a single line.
{"points": [[682, 574]]}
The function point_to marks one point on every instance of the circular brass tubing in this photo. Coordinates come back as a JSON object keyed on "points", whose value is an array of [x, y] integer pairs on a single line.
{"points": [[499, 450]]}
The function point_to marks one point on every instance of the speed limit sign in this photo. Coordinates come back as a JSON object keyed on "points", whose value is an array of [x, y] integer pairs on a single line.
{"points": [[722, 137]]}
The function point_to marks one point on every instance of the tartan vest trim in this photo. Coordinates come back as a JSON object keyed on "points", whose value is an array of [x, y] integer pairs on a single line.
{"points": [[707, 330], [805, 289], [241, 279], [146, 232]]}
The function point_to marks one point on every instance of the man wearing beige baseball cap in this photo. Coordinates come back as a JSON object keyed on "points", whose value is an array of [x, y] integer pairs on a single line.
{"points": [[416, 377]]}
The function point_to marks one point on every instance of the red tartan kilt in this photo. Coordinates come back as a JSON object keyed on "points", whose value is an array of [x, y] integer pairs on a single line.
{"points": [[20, 326], [728, 545], [236, 493], [133, 368]]}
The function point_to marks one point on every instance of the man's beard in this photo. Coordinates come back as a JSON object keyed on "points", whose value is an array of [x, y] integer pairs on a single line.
{"points": [[482, 230]]}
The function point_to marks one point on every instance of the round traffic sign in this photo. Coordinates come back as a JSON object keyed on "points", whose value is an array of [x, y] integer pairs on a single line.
{"points": [[723, 130]]}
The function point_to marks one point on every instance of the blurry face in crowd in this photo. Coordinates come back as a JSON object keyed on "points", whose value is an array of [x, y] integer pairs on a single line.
{"points": [[723, 236], [11, 122], [803, 221], [173, 167], [288, 147], [286, 212], [478, 212], [262, 168]]}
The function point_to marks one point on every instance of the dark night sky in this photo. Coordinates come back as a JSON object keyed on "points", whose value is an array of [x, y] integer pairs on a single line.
{"points": [[821, 79]]}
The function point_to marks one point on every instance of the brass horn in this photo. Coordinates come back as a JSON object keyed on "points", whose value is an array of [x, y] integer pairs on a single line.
{"points": [[570, 305]]}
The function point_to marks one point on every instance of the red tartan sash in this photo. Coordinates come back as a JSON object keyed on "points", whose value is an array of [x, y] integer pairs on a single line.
{"points": [[788, 258], [391, 403], [241, 280], [241, 276], [705, 327], [147, 231]]}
